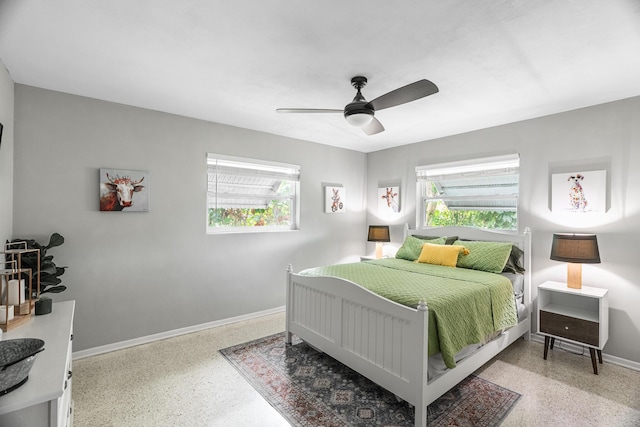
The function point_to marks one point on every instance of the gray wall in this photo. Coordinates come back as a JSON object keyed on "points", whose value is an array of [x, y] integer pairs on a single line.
{"points": [[6, 154], [601, 137], [136, 274]]}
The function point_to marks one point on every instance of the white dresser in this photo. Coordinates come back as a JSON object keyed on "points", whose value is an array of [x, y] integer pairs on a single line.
{"points": [[45, 399]]}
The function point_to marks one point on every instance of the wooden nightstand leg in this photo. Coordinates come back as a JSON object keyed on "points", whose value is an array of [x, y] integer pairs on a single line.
{"points": [[546, 346], [553, 341], [592, 351], [600, 356]]}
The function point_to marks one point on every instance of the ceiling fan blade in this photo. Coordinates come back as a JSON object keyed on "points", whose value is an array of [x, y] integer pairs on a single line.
{"points": [[373, 127], [308, 110], [405, 94]]}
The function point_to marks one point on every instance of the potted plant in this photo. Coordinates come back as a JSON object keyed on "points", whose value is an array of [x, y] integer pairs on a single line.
{"points": [[50, 273], [44, 305]]}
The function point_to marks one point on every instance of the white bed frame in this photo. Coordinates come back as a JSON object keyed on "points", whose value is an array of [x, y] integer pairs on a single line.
{"points": [[385, 341]]}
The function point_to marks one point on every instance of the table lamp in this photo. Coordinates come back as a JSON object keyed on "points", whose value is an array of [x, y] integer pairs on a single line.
{"points": [[379, 234], [575, 249]]}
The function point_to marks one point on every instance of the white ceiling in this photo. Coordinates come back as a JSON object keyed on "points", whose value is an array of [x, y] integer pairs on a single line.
{"points": [[235, 62]]}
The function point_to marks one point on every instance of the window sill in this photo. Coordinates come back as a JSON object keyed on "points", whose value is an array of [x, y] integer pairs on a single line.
{"points": [[250, 231]]}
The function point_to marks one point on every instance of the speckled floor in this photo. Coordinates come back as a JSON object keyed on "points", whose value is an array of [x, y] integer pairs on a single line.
{"points": [[184, 381]]}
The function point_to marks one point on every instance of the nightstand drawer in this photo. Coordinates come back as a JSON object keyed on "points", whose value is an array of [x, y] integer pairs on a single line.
{"points": [[571, 328]]}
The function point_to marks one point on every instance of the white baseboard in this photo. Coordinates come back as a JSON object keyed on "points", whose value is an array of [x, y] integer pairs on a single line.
{"points": [[77, 355], [579, 350]]}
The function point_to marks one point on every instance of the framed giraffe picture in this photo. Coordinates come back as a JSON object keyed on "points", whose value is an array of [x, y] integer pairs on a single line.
{"points": [[388, 199]]}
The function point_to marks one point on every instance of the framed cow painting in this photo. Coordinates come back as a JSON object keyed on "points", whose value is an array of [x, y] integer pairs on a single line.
{"points": [[123, 190]]}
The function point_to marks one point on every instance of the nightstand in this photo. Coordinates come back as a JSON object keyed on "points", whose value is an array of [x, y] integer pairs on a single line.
{"points": [[579, 316]]}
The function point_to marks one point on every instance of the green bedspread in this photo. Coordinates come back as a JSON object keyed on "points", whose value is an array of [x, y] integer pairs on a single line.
{"points": [[465, 306]]}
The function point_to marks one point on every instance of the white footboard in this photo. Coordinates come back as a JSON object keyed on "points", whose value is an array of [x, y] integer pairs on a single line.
{"points": [[384, 341]]}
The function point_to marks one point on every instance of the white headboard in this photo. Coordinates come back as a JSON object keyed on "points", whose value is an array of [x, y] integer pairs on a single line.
{"points": [[523, 241]]}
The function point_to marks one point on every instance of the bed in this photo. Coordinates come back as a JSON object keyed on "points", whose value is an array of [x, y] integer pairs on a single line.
{"points": [[387, 341]]}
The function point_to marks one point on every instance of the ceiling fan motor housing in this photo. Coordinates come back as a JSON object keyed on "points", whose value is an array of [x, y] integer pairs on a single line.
{"points": [[358, 112]]}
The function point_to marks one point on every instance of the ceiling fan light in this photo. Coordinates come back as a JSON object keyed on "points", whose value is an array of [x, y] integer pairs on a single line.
{"points": [[359, 119]]}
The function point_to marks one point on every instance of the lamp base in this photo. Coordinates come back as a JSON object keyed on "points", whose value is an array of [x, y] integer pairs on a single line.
{"points": [[574, 275], [378, 250]]}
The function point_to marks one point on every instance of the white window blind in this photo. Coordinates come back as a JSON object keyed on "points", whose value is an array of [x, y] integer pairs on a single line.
{"points": [[250, 195], [477, 192]]}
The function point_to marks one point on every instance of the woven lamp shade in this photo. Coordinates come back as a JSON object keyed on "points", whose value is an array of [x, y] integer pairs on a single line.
{"points": [[575, 249], [379, 233]]}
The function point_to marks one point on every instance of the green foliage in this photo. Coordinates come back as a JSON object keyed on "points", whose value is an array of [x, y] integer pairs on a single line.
{"points": [[278, 213], [49, 273], [500, 220]]}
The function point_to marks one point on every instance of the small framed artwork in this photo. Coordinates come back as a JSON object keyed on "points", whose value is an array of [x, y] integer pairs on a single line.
{"points": [[123, 190], [575, 192], [389, 200], [334, 199]]}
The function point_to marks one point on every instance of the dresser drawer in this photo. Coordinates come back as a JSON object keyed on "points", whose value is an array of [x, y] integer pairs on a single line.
{"points": [[571, 328]]}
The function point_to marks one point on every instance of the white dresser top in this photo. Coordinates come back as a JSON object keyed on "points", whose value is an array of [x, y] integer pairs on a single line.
{"points": [[48, 374]]}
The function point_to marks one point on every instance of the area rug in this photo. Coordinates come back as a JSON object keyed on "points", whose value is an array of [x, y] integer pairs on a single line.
{"points": [[311, 389]]}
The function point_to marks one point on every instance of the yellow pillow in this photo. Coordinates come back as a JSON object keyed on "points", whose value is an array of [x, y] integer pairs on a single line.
{"points": [[446, 255]]}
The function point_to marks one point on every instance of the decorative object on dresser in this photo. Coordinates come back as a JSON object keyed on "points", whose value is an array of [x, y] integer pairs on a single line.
{"points": [[379, 234], [30, 273], [17, 286], [44, 305], [16, 359], [579, 316], [575, 250], [46, 274]]}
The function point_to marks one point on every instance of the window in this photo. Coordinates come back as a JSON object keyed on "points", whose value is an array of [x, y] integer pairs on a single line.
{"points": [[246, 195], [480, 193]]}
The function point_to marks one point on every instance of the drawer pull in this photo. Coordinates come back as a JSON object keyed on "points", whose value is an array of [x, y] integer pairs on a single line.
{"points": [[66, 382], [566, 327]]}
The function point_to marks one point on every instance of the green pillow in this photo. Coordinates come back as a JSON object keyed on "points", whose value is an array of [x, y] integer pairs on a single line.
{"points": [[412, 246], [484, 256], [450, 239], [514, 263]]}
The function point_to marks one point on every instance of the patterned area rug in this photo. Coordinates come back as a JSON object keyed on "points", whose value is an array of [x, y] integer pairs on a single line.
{"points": [[311, 389]]}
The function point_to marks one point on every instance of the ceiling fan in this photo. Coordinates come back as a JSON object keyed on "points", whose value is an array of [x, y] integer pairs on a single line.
{"points": [[360, 112]]}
